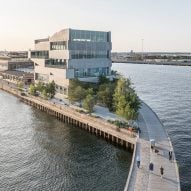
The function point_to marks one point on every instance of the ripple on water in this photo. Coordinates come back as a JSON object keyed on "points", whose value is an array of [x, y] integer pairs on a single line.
{"points": [[167, 90], [38, 152]]}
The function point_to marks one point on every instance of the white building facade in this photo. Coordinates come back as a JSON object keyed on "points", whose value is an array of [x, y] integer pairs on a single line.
{"points": [[71, 54]]}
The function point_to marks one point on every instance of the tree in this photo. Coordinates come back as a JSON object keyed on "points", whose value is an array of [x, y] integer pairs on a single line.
{"points": [[32, 89], [51, 89], [103, 80], [78, 94], [44, 94], [20, 86], [90, 91], [89, 103], [47, 90], [40, 86], [105, 94], [71, 89], [126, 101]]}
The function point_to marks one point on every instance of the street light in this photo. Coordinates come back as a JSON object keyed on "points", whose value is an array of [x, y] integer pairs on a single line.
{"points": [[142, 41]]}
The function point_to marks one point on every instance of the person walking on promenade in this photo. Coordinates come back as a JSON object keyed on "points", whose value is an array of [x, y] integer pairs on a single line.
{"points": [[151, 166], [170, 155], [152, 148], [161, 171], [138, 161]]}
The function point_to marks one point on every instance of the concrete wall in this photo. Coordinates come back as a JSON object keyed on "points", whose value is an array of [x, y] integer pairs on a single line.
{"points": [[4, 65], [62, 35], [42, 45], [58, 75], [59, 54]]}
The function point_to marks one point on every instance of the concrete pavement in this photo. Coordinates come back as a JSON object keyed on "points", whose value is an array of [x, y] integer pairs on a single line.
{"points": [[142, 179]]}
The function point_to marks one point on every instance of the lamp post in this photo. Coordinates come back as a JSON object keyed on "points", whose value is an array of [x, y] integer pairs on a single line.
{"points": [[142, 41]]}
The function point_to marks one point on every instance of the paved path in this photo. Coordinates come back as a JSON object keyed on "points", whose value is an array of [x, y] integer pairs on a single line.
{"points": [[142, 179]]}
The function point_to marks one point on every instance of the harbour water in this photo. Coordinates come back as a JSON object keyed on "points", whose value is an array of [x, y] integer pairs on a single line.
{"points": [[38, 152], [167, 89]]}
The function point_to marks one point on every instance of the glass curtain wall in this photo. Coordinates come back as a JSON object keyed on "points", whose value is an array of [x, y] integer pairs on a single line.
{"points": [[91, 72], [89, 36], [79, 54]]}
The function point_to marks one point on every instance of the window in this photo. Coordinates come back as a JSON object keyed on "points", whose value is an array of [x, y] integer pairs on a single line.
{"points": [[39, 54], [41, 77], [89, 54], [91, 72], [62, 45], [88, 36], [56, 63]]}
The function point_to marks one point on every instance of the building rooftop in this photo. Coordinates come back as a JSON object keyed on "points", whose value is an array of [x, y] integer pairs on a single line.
{"points": [[15, 73], [5, 57], [41, 40]]}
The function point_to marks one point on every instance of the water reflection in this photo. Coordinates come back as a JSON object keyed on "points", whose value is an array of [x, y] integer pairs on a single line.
{"points": [[39, 152]]}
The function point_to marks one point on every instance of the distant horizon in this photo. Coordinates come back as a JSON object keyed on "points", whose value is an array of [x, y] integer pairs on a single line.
{"points": [[183, 52], [160, 26]]}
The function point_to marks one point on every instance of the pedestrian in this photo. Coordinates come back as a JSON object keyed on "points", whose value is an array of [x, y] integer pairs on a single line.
{"points": [[161, 171], [170, 155], [139, 130], [138, 161], [151, 166]]}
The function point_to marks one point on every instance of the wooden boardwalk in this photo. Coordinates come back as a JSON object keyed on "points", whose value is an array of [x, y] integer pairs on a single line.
{"points": [[142, 179]]}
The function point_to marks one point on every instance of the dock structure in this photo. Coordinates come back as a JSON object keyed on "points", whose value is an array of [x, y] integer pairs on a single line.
{"points": [[139, 179], [143, 179], [99, 127]]}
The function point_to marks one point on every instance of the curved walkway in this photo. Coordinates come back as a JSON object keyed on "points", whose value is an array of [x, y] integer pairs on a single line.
{"points": [[142, 179]]}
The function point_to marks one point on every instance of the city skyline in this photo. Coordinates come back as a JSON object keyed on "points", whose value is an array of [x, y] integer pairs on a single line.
{"points": [[162, 24]]}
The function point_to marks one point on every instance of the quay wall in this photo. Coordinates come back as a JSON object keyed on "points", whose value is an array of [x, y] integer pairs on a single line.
{"points": [[96, 126]]}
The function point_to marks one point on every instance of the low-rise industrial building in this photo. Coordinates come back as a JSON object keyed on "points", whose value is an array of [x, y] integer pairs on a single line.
{"points": [[18, 76], [12, 63]]}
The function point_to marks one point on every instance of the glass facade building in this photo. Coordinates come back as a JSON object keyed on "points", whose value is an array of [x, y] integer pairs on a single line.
{"points": [[91, 72], [89, 36], [70, 54]]}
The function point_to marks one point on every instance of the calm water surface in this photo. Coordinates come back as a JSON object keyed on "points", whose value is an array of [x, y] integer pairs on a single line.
{"points": [[167, 89], [37, 152]]}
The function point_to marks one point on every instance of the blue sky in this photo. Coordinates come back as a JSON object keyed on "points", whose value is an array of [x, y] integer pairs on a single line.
{"points": [[163, 24]]}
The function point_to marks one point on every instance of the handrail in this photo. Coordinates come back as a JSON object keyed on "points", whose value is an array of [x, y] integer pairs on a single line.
{"points": [[170, 143], [132, 164]]}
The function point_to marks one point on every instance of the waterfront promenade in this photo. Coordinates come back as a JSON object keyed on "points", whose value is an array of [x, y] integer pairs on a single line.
{"points": [[142, 179], [94, 125], [151, 128]]}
